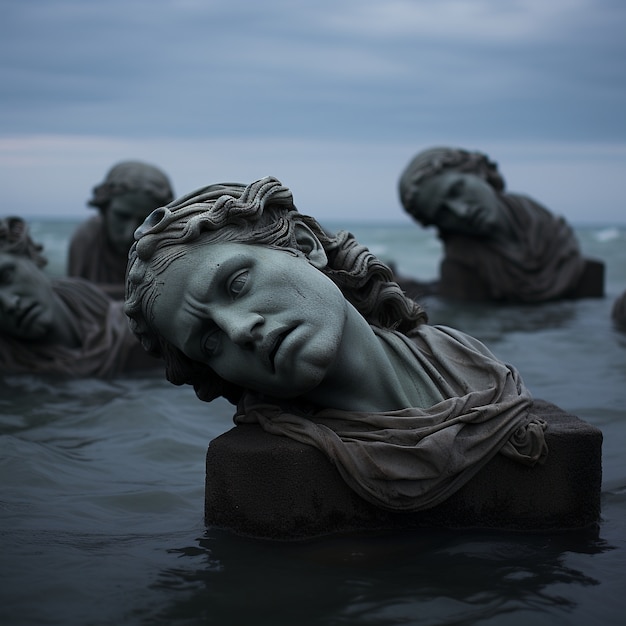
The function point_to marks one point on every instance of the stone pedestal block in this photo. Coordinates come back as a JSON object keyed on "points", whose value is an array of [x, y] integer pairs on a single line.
{"points": [[460, 282], [272, 487], [591, 283]]}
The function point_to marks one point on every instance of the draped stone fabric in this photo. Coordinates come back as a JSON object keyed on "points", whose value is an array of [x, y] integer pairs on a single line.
{"points": [[108, 345], [415, 458], [91, 257], [543, 263]]}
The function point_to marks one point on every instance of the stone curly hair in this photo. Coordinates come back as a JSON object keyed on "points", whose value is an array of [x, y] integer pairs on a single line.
{"points": [[261, 213], [434, 161], [15, 239], [132, 176]]}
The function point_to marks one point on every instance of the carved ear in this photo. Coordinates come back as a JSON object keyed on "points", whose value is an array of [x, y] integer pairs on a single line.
{"points": [[311, 246]]}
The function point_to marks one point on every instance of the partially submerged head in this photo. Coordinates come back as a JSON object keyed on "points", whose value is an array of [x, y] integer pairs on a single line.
{"points": [[453, 189], [28, 304], [213, 223], [130, 191]]}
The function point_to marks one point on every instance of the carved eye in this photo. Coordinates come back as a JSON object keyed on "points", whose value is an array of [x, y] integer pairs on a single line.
{"points": [[211, 341], [238, 282]]}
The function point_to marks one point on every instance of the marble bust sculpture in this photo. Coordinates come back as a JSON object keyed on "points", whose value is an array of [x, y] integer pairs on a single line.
{"points": [[247, 298], [498, 246], [99, 248], [57, 325]]}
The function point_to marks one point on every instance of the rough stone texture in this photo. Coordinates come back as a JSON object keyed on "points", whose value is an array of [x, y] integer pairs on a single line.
{"points": [[266, 486]]}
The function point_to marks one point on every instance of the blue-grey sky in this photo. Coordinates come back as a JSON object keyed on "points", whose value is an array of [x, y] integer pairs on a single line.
{"points": [[333, 97]]}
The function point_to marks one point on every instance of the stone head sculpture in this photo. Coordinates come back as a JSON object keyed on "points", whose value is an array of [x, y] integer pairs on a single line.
{"points": [[454, 190], [29, 308], [129, 192], [198, 263]]}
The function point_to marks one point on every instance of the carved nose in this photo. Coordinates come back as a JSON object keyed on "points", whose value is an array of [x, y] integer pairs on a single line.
{"points": [[458, 207], [240, 328]]}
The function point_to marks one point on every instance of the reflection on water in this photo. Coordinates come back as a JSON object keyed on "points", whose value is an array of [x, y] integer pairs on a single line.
{"points": [[492, 323], [378, 579]]}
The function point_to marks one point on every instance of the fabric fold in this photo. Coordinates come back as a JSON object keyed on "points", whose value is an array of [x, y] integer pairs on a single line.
{"points": [[543, 261], [108, 346], [415, 458]]}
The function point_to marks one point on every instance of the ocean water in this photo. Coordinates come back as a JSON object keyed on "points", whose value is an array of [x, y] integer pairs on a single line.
{"points": [[102, 487]]}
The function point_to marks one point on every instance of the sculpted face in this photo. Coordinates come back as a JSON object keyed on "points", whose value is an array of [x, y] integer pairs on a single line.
{"points": [[260, 317], [460, 202], [123, 216], [27, 301]]}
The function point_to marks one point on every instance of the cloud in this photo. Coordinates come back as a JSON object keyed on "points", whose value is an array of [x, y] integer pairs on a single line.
{"points": [[485, 22], [335, 93], [338, 68]]}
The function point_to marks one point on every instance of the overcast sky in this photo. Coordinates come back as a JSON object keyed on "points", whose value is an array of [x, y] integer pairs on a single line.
{"points": [[333, 97]]}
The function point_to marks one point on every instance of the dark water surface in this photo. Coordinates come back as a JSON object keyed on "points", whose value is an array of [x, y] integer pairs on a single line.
{"points": [[102, 487]]}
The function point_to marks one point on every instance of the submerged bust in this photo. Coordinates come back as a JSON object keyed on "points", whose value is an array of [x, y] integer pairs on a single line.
{"points": [[244, 297], [498, 246], [57, 326], [99, 247]]}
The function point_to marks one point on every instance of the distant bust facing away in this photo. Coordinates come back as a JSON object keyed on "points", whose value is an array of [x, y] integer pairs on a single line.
{"points": [[498, 246], [57, 326], [244, 297], [99, 247]]}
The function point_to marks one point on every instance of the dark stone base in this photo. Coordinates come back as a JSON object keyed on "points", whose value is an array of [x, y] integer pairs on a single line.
{"points": [[460, 282], [272, 487], [591, 283]]}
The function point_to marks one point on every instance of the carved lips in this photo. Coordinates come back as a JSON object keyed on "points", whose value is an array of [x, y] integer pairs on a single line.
{"points": [[276, 342]]}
